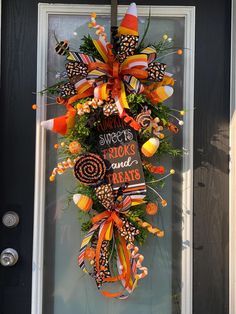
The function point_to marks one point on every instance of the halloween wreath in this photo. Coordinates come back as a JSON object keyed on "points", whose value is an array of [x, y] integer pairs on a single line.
{"points": [[115, 121]]}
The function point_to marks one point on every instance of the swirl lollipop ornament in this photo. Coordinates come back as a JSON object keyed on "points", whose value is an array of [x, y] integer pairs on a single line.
{"points": [[90, 169]]}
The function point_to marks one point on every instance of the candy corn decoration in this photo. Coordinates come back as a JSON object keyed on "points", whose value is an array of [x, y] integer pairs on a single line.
{"points": [[150, 147], [163, 92], [159, 94], [84, 202], [129, 24], [62, 124]]}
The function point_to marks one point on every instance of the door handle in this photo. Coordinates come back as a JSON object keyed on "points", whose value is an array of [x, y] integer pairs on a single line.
{"points": [[9, 257]]}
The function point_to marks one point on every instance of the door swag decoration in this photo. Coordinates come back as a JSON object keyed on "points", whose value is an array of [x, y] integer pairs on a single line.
{"points": [[115, 121]]}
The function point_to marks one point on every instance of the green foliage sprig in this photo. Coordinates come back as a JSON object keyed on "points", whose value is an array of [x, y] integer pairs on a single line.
{"points": [[166, 147], [53, 89], [88, 47]]}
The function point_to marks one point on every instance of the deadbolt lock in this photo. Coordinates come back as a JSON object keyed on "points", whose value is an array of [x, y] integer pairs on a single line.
{"points": [[9, 257], [10, 219]]}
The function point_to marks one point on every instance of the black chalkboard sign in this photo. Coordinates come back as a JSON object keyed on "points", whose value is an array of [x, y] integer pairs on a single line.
{"points": [[119, 147]]}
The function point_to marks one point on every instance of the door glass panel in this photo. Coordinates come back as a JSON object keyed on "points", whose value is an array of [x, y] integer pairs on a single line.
{"points": [[67, 289]]}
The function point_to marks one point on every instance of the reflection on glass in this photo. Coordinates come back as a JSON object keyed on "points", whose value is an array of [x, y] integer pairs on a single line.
{"points": [[66, 289]]}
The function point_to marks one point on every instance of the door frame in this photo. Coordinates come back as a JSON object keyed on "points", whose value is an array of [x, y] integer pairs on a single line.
{"points": [[188, 12], [232, 167]]}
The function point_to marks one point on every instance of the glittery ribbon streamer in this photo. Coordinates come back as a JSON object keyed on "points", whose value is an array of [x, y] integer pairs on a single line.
{"points": [[154, 230], [137, 260], [100, 30], [62, 166]]}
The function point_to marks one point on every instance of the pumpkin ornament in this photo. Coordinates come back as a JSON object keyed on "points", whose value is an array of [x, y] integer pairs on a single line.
{"points": [[151, 209], [74, 147]]}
